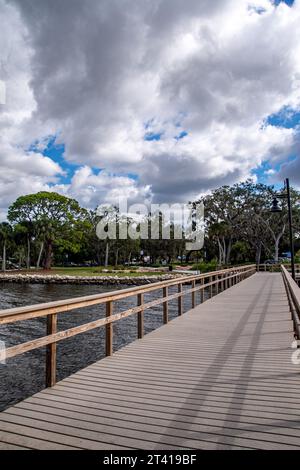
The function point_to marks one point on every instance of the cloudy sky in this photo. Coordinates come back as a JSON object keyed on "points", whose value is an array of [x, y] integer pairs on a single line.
{"points": [[151, 99]]}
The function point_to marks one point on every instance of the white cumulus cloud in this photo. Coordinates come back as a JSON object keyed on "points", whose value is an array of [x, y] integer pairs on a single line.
{"points": [[103, 74]]}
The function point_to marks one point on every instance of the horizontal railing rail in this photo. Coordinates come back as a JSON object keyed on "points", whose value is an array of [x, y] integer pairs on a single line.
{"points": [[218, 280], [277, 267], [293, 293]]}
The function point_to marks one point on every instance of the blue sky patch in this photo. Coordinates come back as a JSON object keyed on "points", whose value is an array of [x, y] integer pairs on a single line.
{"points": [[286, 117], [56, 151], [153, 136], [181, 135], [264, 176], [133, 176], [261, 172], [288, 2]]}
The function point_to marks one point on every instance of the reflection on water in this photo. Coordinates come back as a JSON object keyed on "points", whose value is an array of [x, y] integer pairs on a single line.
{"points": [[24, 375]]}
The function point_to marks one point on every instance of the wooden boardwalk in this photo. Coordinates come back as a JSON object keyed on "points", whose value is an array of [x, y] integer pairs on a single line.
{"points": [[219, 377]]}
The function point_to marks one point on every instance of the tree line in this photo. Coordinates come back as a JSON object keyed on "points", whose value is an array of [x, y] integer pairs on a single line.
{"points": [[46, 229]]}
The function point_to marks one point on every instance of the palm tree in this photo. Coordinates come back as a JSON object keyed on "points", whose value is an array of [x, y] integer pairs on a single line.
{"points": [[5, 236]]}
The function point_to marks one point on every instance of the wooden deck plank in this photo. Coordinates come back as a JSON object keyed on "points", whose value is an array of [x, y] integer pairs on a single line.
{"points": [[152, 397], [157, 421], [112, 410], [266, 430], [190, 410], [177, 392], [218, 377], [7, 446], [14, 435]]}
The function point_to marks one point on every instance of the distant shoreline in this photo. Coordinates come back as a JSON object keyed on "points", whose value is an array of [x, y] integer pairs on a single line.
{"points": [[92, 280]]}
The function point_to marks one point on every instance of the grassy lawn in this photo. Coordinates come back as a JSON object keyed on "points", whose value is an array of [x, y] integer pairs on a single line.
{"points": [[94, 271]]}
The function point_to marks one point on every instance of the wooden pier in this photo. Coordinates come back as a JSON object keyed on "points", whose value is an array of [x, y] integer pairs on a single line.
{"points": [[219, 376]]}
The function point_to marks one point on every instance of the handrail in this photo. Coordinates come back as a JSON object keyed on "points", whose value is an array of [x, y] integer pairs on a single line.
{"points": [[293, 293], [60, 306], [222, 280], [275, 267]]}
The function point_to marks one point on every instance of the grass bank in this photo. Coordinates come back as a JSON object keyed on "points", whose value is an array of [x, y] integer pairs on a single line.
{"points": [[92, 271]]}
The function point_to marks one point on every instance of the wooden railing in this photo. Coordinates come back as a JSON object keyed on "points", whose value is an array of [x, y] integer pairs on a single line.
{"points": [[293, 293], [276, 267], [214, 281]]}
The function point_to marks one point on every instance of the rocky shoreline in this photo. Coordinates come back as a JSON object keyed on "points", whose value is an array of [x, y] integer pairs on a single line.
{"points": [[95, 280]]}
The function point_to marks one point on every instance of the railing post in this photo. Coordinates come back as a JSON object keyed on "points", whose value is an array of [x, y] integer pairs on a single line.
{"points": [[180, 300], [202, 290], [140, 318], [210, 287], [109, 330], [217, 285], [51, 352], [165, 306], [193, 294]]}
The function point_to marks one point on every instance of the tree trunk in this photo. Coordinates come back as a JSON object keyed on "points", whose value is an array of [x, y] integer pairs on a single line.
{"points": [[276, 254], [4, 257], [277, 241], [98, 254], [228, 251], [28, 253], [106, 254], [224, 251], [40, 255], [220, 252], [258, 254], [48, 256], [117, 257]]}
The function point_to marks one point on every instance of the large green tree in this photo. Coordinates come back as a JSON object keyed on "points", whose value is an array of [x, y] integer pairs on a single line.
{"points": [[57, 219], [242, 213]]}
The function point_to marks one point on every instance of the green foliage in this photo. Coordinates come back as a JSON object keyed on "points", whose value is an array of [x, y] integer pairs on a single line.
{"points": [[242, 213], [49, 228], [240, 252], [56, 219], [205, 267]]}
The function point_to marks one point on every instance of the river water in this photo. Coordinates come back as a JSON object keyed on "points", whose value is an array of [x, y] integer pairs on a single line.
{"points": [[24, 375]]}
